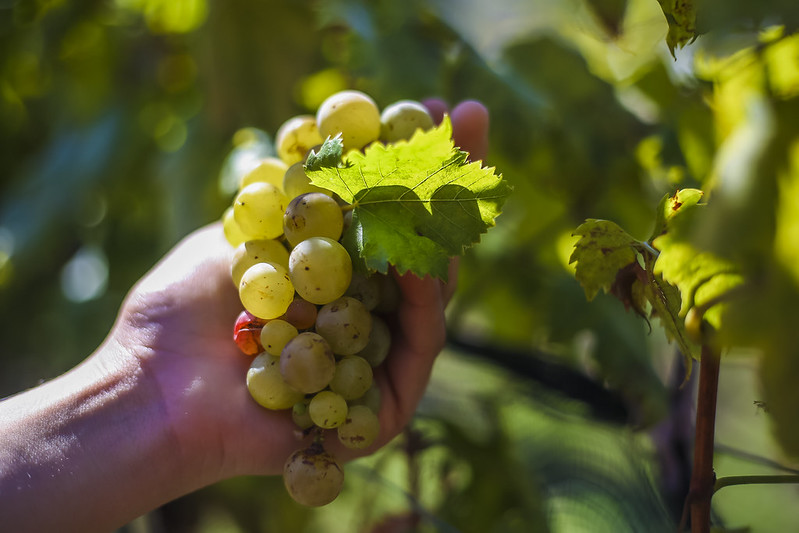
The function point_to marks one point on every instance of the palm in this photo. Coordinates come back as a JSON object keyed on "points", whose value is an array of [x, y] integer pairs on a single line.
{"points": [[187, 306]]}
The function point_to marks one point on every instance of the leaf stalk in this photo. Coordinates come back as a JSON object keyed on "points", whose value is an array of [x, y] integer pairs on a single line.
{"points": [[728, 481]]}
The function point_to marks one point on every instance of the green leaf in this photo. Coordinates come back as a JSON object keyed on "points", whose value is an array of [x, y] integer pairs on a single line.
{"points": [[703, 277], [681, 16], [416, 202], [671, 205], [603, 249], [665, 300], [606, 258], [329, 154]]}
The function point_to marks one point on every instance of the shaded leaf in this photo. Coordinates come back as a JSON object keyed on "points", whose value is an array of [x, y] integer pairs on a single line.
{"points": [[665, 300], [602, 250], [681, 16], [629, 288], [610, 14]]}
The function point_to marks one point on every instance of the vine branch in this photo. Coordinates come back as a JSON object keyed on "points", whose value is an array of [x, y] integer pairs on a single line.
{"points": [[700, 493]]}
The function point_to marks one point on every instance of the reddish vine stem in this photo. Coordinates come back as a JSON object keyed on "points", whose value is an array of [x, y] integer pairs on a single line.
{"points": [[697, 504]]}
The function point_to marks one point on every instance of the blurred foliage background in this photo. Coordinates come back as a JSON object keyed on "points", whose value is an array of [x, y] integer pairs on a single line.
{"points": [[546, 412]]}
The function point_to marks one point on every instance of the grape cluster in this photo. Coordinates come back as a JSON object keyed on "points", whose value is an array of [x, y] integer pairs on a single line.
{"points": [[316, 329]]}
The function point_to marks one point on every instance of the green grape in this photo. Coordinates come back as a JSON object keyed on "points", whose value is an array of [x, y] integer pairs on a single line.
{"points": [[295, 138], [360, 428], [345, 324], [312, 214], [250, 253], [371, 399], [301, 314], [297, 182], [269, 170], [377, 348], [353, 377], [353, 114], [320, 269], [328, 409], [400, 120], [266, 290], [258, 210], [275, 334], [313, 477], [364, 288], [301, 416], [307, 363], [231, 229], [267, 386]]}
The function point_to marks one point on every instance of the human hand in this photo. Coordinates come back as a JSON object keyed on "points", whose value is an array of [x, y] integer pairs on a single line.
{"points": [[162, 408], [177, 323]]}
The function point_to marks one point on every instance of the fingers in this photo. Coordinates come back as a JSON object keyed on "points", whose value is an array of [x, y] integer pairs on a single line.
{"points": [[470, 128], [469, 124], [437, 108], [421, 336], [448, 287]]}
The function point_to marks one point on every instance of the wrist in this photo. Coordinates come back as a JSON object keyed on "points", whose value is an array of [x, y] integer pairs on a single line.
{"points": [[135, 365], [92, 443]]}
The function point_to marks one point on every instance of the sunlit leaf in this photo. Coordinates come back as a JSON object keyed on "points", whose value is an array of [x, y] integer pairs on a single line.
{"points": [[416, 203], [670, 205]]}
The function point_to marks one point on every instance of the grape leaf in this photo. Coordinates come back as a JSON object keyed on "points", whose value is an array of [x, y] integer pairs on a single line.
{"points": [[607, 259], [603, 249], [665, 300], [415, 203], [670, 205], [681, 16], [328, 155], [703, 278]]}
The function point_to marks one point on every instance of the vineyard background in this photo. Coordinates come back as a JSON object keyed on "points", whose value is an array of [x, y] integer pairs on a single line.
{"points": [[546, 412]]}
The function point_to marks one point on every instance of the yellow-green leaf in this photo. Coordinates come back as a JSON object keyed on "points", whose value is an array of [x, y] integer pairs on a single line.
{"points": [[603, 249], [416, 203]]}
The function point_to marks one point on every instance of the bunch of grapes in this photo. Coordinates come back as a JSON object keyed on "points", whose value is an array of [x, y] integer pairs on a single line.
{"points": [[316, 329]]}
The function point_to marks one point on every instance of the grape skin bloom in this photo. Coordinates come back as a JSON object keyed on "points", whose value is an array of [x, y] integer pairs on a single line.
{"points": [[400, 120], [295, 138], [313, 477], [250, 253], [266, 385], [258, 210], [320, 269], [360, 429], [266, 290], [307, 362], [346, 324], [353, 114], [312, 215]]}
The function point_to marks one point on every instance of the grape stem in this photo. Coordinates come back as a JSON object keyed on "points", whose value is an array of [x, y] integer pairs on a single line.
{"points": [[649, 248], [318, 437]]}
